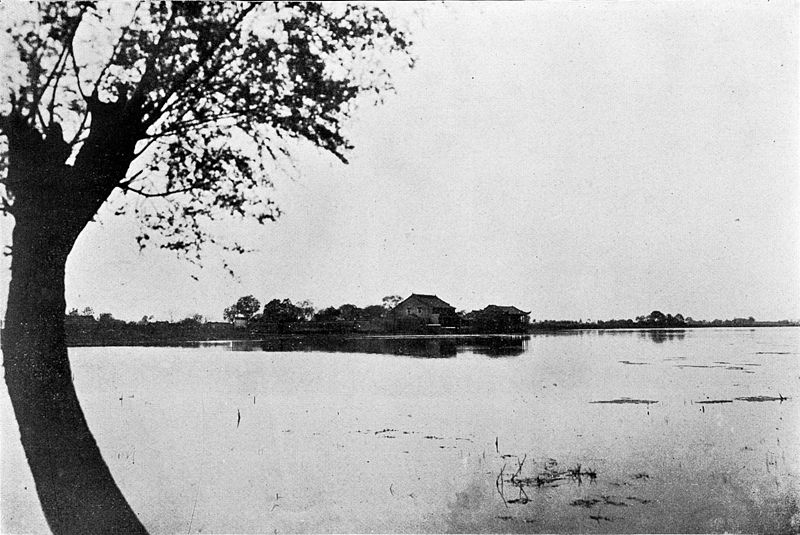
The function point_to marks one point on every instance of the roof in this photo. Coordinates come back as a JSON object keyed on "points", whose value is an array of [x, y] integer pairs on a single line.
{"points": [[427, 299], [511, 310]]}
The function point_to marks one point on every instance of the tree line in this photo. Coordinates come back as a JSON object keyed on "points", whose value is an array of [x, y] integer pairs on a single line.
{"points": [[248, 308]]}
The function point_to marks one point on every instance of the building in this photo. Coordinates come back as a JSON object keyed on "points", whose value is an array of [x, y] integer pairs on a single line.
{"points": [[428, 309], [502, 319]]}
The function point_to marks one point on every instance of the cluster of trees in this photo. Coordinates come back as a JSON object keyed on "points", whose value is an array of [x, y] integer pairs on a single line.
{"points": [[656, 319], [283, 311], [106, 318]]}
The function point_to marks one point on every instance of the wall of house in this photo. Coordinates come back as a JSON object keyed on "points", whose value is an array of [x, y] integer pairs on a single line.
{"points": [[413, 307]]}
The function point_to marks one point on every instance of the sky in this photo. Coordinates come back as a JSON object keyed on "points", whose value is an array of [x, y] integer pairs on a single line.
{"points": [[578, 160]]}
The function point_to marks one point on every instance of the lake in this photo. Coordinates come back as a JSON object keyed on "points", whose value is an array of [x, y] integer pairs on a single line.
{"points": [[589, 431]]}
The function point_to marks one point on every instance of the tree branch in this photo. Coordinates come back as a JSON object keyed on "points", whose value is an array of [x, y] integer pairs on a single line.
{"points": [[186, 75], [138, 93], [114, 51], [76, 70], [58, 70], [148, 194]]}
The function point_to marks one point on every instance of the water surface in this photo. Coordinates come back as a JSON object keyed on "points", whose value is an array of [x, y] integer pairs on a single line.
{"points": [[609, 431]]}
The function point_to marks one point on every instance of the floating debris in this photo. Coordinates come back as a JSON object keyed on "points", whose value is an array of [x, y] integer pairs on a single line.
{"points": [[714, 401], [609, 500], [635, 363], [780, 398], [550, 476], [627, 401], [587, 503]]}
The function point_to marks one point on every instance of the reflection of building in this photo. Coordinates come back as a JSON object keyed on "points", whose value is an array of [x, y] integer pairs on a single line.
{"points": [[502, 319], [426, 308]]}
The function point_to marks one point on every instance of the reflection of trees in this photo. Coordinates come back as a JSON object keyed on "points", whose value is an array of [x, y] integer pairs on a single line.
{"points": [[413, 347], [660, 337], [423, 347], [495, 346]]}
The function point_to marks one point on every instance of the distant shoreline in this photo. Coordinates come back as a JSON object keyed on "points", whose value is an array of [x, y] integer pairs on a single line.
{"points": [[200, 341]]}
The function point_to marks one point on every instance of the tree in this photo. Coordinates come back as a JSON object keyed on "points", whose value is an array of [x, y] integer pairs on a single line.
{"points": [[190, 108], [391, 301], [193, 321], [327, 314], [373, 312], [349, 312], [308, 309], [246, 306], [277, 311]]}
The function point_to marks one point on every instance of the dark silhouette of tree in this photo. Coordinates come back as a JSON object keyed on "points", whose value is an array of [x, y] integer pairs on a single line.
{"points": [[246, 306], [308, 309], [373, 312], [191, 107], [327, 314], [349, 312], [193, 320], [277, 311]]}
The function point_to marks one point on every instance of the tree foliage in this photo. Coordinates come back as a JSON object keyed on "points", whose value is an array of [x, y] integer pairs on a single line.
{"points": [[246, 306], [282, 311], [192, 107], [391, 301]]}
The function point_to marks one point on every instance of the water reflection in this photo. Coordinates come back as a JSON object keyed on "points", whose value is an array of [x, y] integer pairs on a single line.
{"points": [[659, 336], [420, 347]]}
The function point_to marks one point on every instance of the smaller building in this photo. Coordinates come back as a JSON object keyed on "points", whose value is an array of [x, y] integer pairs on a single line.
{"points": [[240, 321], [502, 319]]}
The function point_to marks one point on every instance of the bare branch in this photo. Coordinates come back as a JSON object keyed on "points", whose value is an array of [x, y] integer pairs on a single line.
{"points": [[148, 74], [58, 70], [37, 98], [76, 70], [51, 106], [156, 194], [131, 180]]}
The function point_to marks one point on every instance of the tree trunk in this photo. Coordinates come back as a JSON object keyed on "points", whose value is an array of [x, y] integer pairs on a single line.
{"points": [[75, 487]]}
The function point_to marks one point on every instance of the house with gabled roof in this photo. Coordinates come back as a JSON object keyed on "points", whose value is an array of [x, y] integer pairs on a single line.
{"points": [[426, 308], [502, 319]]}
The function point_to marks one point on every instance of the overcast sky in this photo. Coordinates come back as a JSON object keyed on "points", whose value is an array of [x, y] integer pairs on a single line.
{"points": [[576, 160]]}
